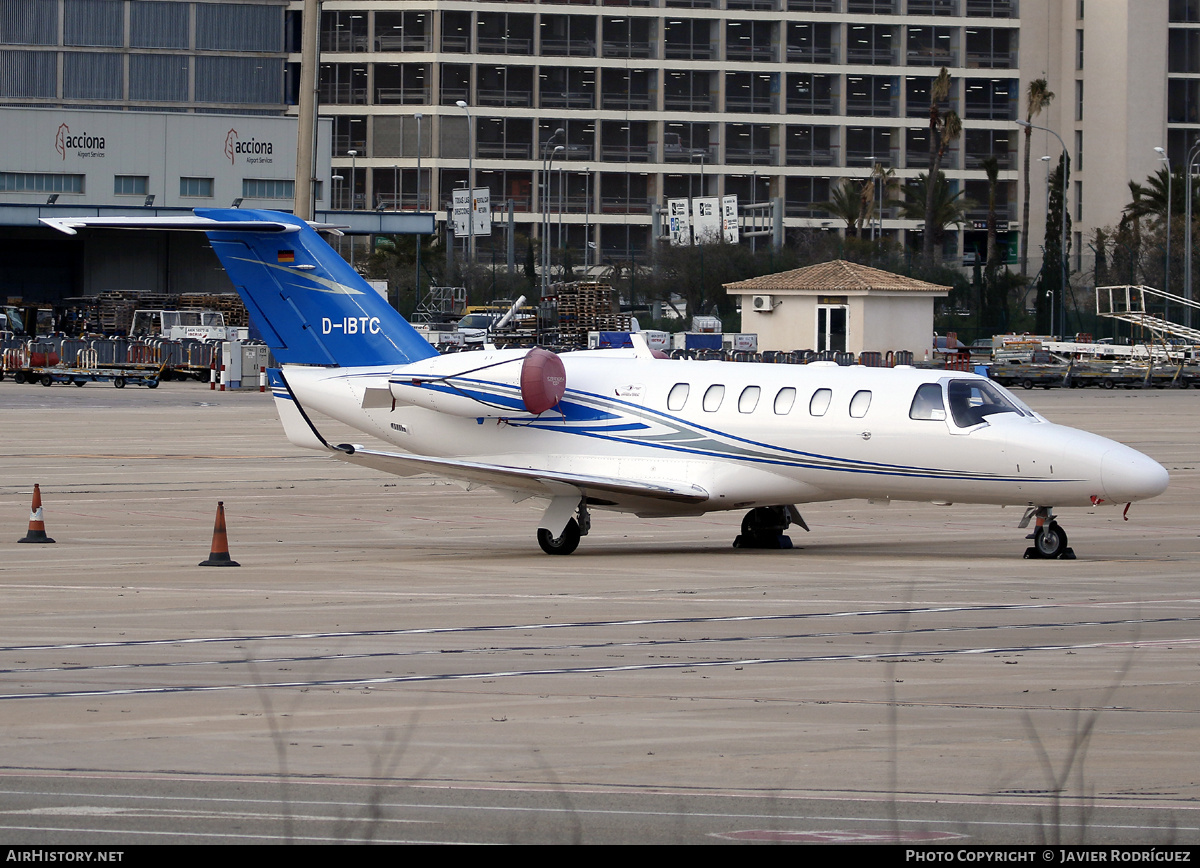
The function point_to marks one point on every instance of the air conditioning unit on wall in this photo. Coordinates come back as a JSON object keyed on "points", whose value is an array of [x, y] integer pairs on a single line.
{"points": [[762, 303]]}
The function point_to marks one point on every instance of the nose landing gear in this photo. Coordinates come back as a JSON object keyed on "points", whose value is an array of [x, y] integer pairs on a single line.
{"points": [[1049, 540]]}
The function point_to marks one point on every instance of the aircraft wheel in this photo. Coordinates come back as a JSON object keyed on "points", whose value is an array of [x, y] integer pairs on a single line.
{"points": [[763, 528], [1050, 540], [761, 520], [563, 545], [118, 382]]}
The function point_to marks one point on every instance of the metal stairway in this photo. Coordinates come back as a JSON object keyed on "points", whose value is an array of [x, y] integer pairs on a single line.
{"points": [[441, 304], [1129, 304]]}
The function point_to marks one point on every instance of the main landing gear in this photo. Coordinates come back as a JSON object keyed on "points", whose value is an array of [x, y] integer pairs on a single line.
{"points": [[577, 528], [1049, 540], [764, 526]]}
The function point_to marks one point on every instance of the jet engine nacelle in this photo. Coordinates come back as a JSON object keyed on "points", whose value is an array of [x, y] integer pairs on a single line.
{"points": [[494, 384]]}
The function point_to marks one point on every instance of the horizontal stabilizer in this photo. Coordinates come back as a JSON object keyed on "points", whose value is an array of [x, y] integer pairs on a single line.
{"points": [[309, 304], [70, 225]]}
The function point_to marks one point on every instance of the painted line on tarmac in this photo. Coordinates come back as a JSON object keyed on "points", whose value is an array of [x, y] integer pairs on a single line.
{"points": [[610, 645], [579, 670]]}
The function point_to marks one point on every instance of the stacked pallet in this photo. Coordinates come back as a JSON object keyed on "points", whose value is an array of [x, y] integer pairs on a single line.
{"points": [[116, 307], [587, 306], [228, 303]]}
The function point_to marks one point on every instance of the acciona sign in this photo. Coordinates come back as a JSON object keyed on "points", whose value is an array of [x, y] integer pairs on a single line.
{"points": [[83, 144], [251, 150]]}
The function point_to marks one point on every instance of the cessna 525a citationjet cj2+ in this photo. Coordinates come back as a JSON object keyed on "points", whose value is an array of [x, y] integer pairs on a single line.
{"points": [[629, 431]]}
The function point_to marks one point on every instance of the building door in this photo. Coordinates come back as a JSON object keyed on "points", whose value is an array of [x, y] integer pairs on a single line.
{"points": [[832, 321]]}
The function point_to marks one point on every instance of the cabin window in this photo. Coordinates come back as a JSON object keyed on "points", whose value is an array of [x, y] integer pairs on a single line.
{"points": [[972, 401], [784, 400], [748, 400], [713, 396], [677, 397], [927, 403], [820, 402], [860, 403]]}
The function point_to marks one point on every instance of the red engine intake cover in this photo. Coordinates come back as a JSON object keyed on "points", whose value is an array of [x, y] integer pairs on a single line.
{"points": [[543, 380]]}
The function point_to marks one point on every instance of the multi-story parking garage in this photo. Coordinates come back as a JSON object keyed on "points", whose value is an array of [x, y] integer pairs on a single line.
{"points": [[658, 99]]}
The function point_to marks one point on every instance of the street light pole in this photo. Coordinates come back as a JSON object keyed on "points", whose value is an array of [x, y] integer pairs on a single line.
{"points": [[1163, 158], [419, 118], [353, 181], [587, 220], [337, 201], [417, 238], [1046, 160], [754, 211], [1063, 242], [547, 154], [548, 246], [470, 181], [1187, 265]]}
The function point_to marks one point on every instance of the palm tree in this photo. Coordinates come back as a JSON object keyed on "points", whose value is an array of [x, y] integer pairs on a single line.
{"points": [[937, 208], [847, 203], [992, 302], [1150, 199], [884, 186], [943, 129], [1037, 98], [992, 167]]}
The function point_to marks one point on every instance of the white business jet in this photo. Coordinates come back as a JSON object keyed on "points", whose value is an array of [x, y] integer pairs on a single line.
{"points": [[629, 431]]}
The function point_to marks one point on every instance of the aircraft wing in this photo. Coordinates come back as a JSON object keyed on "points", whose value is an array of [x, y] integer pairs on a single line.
{"points": [[649, 497]]}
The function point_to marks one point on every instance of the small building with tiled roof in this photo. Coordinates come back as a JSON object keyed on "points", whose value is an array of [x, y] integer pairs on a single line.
{"points": [[840, 306]]}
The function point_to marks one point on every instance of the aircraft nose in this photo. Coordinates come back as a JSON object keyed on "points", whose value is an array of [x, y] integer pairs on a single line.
{"points": [[1128, 475]]}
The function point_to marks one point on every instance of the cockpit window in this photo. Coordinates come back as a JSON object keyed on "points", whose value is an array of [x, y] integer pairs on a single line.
{"points": [[972, 401], [927, 403]]}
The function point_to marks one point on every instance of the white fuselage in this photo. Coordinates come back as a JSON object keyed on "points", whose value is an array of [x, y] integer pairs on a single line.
{"points": [[747, 434]]}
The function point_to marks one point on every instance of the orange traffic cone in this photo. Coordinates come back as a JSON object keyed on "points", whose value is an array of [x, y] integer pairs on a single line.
{"points": [[37, 527], [218, 556]]}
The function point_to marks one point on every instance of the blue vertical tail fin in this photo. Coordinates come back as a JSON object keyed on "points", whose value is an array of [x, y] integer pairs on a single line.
{"points": [[310, 305]]}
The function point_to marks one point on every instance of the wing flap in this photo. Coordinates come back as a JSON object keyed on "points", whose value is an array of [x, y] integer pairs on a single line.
{"points": [[538, 482]]}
